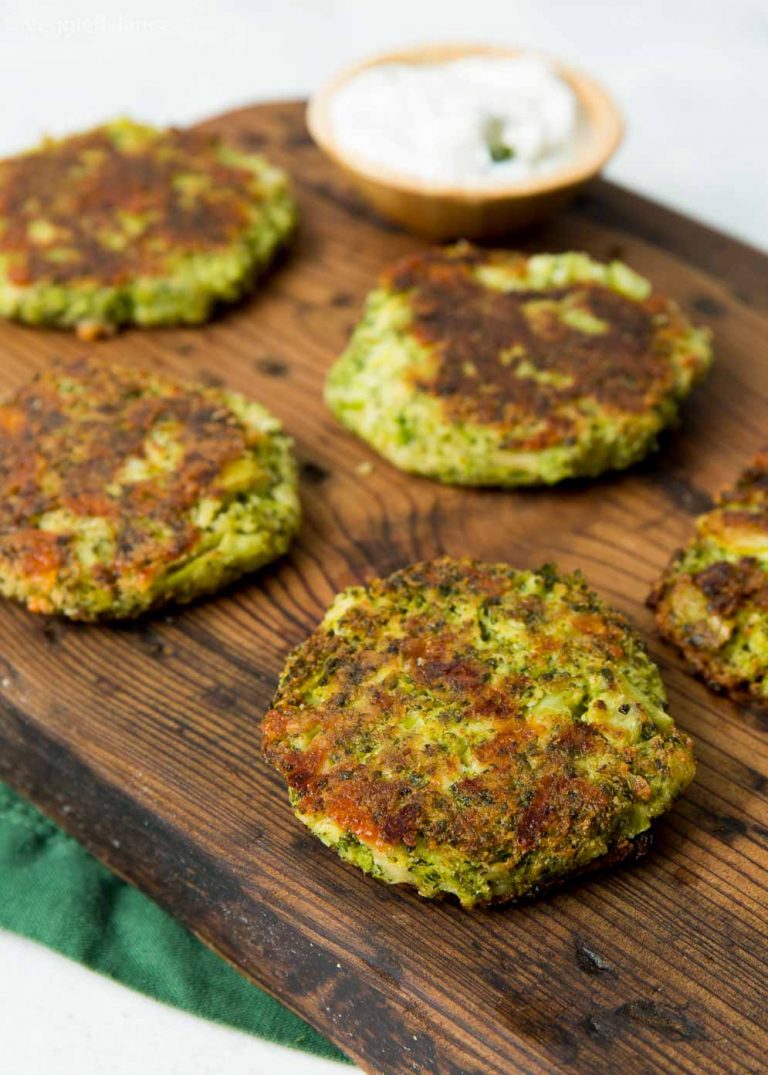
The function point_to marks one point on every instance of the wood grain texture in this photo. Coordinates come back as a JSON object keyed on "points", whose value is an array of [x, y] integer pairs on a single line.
{"points": [[142, 740]]}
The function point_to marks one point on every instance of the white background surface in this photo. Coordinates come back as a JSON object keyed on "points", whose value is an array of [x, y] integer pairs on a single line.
{"points": [[691, 78]]}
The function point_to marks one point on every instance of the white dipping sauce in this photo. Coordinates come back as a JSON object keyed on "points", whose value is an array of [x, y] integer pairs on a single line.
{"points": [[477, 121]]}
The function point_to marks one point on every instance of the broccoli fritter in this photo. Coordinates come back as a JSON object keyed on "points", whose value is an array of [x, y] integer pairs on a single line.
{"points": [[120, 491], [481, 367], [127, 224], [712, 601], [471, 729]]}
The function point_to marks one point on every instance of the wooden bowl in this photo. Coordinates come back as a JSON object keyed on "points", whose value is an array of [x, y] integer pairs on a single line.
{"points": [[443, 211]]}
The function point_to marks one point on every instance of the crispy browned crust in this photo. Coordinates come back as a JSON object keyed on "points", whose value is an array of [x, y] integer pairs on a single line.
{"points": [[699, 647], [63, 450], [625, 369], [530, 793], [622, 853], [81, 200], [732, 590]]}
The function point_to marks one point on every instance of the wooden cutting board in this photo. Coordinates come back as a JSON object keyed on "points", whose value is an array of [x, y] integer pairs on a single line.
{"points": [[142, 740]]}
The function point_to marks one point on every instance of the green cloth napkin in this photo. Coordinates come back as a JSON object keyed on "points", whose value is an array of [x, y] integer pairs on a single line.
{"points": [[54, 892]]}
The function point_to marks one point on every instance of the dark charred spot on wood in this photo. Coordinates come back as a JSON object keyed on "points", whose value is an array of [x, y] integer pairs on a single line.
{"points": [[314, 473], [600, 1026], [220, 696], [252, 140], [303, 843], [385, 963], [310, 977], [684, 876], [334, 880], [708, 305], [589, 960], [747, 297], [298, 139], [348, 200], [290, 117], [499, 980], [755, 713], [254, 834], [51, 630], [393, 1043], [757, 781], [728, 827], [668, 1020], [272, 366], [152, 642], [377, 552], [211, 379], [342, 300], [681, 491], [534, 1020], [105, 685], [7, 672]]}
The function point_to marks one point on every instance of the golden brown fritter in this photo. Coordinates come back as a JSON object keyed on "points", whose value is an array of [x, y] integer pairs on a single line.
{"points": [[115, 487], [472, 729], [495, 368], [126, 223]]}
